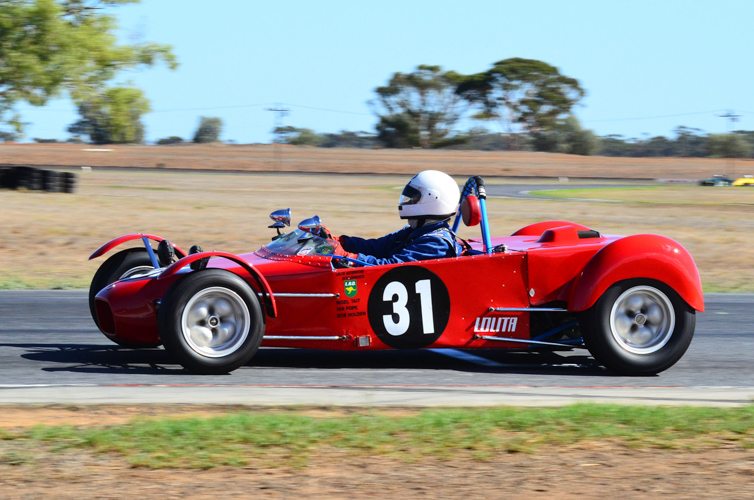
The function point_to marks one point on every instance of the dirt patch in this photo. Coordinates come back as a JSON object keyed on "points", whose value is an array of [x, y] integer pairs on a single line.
{"points": [[285, 158], [26, 416], [591, 471]]}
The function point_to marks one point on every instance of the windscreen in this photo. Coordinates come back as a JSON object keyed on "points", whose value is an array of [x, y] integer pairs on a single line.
{"points": [[298, 242]]}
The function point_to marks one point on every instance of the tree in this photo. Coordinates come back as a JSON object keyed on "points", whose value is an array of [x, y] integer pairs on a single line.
{"points": [[418, 109], [524, 94], [209, 130], [566, 136], [577, 140], [173, 139], [112, 118], [297, 136], [48, 47], [728, 146], [690, 142], [349, 139]]}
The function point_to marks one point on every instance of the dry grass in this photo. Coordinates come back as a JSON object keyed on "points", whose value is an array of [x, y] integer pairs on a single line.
{"points": [[48, 237], [260, 158]]}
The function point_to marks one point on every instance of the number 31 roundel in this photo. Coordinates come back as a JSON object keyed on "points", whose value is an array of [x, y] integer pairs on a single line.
{"points": [[409, 307]]}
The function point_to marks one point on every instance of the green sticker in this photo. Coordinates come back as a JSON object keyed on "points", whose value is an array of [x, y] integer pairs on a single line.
{"points": [[349, 286]]}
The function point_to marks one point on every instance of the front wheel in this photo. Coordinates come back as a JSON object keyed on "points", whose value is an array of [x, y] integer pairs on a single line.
{"points": [[211, 321], [639, 327]]}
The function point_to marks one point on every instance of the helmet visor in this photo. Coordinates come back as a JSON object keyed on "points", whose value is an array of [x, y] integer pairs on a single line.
{"points": [[410, 196]]}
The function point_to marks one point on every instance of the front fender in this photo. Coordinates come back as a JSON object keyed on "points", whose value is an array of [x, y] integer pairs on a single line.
{"points": [[639, 256], [260, 280], [129, 237]]}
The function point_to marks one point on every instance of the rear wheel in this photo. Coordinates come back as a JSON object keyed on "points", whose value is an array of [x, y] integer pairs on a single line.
{"points": [[128, 263], [211, 321], [639, 327]]}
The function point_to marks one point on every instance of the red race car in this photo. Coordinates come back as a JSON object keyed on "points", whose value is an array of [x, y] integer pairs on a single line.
{"points": [[554, 285]]}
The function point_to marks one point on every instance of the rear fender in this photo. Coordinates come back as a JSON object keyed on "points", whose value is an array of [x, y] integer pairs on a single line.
{"points": [[129, 237], [639, 256], [259, 279]]}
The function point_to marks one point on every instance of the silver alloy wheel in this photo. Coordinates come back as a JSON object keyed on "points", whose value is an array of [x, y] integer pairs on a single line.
{"points": [[215, 322], [642, 320], [136, 271]]}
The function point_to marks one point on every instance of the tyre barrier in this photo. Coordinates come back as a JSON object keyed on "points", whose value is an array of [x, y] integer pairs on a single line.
{"points": [[37, 179]]}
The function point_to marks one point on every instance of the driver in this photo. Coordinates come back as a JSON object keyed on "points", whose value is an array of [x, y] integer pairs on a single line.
{"points": [[428, 202]]}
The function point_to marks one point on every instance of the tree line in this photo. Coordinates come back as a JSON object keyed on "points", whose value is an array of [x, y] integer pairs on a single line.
{"points": [[50, 48], [568, 138]]}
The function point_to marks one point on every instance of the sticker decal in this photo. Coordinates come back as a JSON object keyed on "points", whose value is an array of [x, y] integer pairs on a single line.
{"points": [[409, 307], [350, 288], [487, 324]]}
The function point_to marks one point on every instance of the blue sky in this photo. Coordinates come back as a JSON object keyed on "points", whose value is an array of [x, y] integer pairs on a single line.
{"points": [[647, 66]]}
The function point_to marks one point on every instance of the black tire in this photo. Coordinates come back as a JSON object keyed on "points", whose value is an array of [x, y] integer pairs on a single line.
{"points": [[192, 315], [68, 182], [11, 178], [51, 181], [629, 310], [120, 265], [34, 179]]}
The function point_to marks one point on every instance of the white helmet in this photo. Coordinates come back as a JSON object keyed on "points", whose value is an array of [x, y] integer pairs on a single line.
{"points": [[429, 193]]}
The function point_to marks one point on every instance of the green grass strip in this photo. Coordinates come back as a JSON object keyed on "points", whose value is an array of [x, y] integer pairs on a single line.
{"points": [[285, 438]]}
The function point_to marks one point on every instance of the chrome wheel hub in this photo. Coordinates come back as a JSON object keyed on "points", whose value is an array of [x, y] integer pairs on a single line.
{"points": [[642, 320], [215, 322]]}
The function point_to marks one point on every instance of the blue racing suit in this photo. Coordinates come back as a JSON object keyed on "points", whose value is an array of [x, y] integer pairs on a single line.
{"points": [[431, 241]]}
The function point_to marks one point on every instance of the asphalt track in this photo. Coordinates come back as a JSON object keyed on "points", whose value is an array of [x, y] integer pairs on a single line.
{"points": [[51, 352]]}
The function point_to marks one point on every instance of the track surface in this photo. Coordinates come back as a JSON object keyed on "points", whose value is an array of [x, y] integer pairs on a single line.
{"points": [[523, 190], [50, 351]]}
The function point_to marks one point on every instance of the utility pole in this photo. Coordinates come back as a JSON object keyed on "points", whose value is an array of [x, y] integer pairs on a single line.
{"points": [[280, 113], [732, 118]]}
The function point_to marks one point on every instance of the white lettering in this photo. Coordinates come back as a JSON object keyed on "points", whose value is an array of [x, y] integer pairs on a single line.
{"points": [[503, 324]]}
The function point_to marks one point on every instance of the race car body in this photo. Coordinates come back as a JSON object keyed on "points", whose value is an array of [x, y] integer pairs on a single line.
{"points": [[745, 181], [551, 285]]}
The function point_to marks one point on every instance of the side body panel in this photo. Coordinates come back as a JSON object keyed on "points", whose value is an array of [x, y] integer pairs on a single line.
{"points": [[439, 303]]}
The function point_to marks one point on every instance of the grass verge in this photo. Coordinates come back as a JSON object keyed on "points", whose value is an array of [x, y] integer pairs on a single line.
{"points": [[287, 438], [661, 195]]}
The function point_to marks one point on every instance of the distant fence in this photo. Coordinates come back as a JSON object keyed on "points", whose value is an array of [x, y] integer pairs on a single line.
{"points": [[37, 179]]}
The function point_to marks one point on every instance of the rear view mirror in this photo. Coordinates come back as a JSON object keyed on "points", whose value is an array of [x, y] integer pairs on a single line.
{"points": [[311, 225], [281, 217]]}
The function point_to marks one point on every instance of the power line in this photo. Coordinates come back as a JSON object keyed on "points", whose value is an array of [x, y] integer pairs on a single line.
{"points": [[330, 110], [210, 108], [637, 118]]}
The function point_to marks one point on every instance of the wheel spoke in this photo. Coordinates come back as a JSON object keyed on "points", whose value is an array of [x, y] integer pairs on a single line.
{"points": [[201, 336], [634, 303], [198, 313], [222, 308], [225, 331], [655, 314], [623, 324], [642, 336]]}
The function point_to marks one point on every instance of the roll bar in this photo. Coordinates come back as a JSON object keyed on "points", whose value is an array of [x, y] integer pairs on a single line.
{"points": [[475, 185]]}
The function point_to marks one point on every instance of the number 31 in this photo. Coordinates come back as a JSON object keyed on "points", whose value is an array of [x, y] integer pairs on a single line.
{"points": [[396, 292]]}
